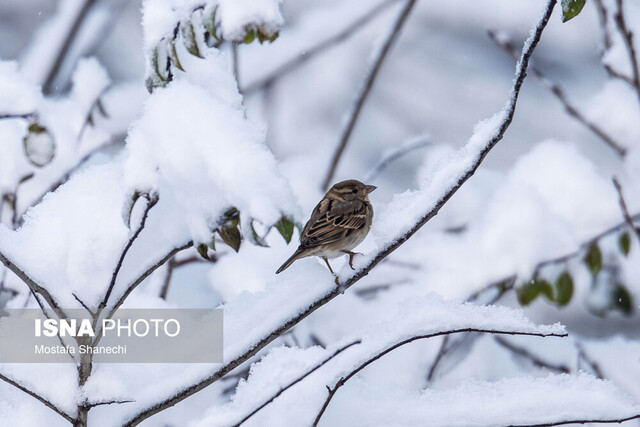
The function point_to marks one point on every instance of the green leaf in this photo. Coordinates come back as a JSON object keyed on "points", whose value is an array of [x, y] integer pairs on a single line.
{"points": [[256, 239], [285, 227], [231, 236], [530, 291], [173, 55], [39, 145], [622, 300], [564, 289], [189, 38], [571, 9], [157, 78], [249, 37], [624, 242], [593, 259], [203, 250], [210, 24]]}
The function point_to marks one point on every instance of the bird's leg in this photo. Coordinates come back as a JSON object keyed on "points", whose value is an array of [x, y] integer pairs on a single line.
{"points": [[351, 255], [331, 270]]}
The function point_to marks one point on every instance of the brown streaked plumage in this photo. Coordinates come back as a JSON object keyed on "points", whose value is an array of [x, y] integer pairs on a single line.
{"points": [[339, 223]]}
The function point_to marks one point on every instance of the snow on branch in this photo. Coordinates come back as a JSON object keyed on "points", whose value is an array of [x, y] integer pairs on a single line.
{"points": [[444, 186]]}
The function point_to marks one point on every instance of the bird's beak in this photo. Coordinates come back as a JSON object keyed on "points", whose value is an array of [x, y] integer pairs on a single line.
{"points": [[369, 188]]}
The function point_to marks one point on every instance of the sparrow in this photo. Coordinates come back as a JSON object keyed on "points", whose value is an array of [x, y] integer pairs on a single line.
{"points": [[339, 223]]}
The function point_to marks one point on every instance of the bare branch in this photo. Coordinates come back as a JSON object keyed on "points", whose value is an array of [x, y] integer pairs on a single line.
{"points": [[627, 37], [319, 48], [47, 87], [107, 402], [582, 355], [302, 313], [95, 105], [296, 381], [31, 115], [33, 286], [583, 421], [558, 92], [392, 156], [173, 264], [36, 396], [523, 352], [366, 89], [343, 380], [151, 201], [623, 208]]}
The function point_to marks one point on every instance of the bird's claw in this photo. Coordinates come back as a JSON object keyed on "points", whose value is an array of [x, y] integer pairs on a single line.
{"points": [[351, 255]]}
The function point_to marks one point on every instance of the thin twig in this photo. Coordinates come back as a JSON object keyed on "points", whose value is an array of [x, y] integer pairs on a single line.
{"points": [[47, 87], [296, 381], [319, 48], [33, 286], [523, 352], [392, 156], [607, 43], [19, 115], [367, 84], [36, 396], [95, 105], [558, 92], [627, 37], [150, 204], [343, 380], [582, 355], [173, 264], [580, 421], [623, 208], [107, 402], [302, 313]]}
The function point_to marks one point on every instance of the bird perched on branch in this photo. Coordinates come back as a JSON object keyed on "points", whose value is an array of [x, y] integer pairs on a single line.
{"points": [[338, 224]]}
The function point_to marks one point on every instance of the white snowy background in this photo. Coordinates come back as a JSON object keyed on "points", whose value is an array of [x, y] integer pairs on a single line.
{"points": [[235, 139]]}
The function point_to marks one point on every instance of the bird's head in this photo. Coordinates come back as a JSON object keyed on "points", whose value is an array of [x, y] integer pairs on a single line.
{"points": [[349, 190]]}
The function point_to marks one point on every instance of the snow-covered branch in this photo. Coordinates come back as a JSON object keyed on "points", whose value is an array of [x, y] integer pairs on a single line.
{"points": [[344, 379]]}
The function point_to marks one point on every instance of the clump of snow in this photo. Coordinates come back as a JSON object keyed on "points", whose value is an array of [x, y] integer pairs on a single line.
{"points": [[17, 95], [70, 242], [89, 80], [194, 142], [236, 16]]}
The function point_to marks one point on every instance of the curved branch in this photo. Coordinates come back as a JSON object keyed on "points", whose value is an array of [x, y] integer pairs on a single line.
{"points": [[623, 207], [36, 396], [302, 313], [343, 380], [366, 89], [296, 381]]}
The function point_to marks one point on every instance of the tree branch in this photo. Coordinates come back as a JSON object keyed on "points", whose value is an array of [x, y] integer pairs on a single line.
{"points": [[36, 288], [366, 89], [36, 396], [625, 211], [296, 381], [343, 380], [583, 421], [627, 37], [386, 160], [468, 171], [19, 116], [523, 352], [47, 87], [317, 49], [558, 92], [151, 201]]}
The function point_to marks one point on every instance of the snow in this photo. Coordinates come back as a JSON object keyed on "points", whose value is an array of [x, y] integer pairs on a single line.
{"points": [[236, 16]]}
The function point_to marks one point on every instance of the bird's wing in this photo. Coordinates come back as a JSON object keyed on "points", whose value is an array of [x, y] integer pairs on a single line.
{"points": [[332, 221]]}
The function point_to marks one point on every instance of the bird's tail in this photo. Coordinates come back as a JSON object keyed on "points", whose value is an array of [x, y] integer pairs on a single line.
{"points": [[287, 263]]}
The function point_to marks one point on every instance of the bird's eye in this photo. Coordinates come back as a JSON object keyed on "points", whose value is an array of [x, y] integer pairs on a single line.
{"points": [[355, 190]]}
